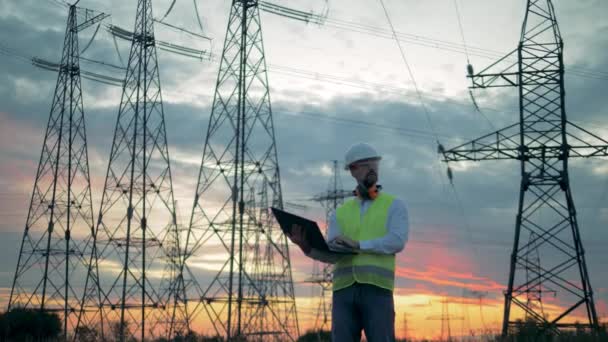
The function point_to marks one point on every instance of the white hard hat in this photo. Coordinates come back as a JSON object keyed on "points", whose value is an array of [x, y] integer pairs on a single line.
{"points": [[358, 152]]}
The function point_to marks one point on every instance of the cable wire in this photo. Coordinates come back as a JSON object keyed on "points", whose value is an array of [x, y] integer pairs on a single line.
{"points": [[444, 45], [418, 92], [169, 10], [469, 67], [440, 147], [409, 70], [198, 17], [464, 42], [91, 40]]}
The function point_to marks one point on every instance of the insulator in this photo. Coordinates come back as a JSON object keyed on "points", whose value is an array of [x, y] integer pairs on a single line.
{"points": [[450, 175], [470, 70], [440, 149]]}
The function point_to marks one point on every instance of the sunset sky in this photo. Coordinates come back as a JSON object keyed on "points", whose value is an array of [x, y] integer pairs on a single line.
{"points": [[330, 88]]}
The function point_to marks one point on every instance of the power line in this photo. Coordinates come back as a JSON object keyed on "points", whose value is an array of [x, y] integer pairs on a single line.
{"points": [[459, 202], [464, 43], [409, 70], [421, 134], [444, 45], [292, 72], [181, 29], [306, 74], [469, 66], [422, 41], [410, 132], [430, 42], [413, 79], [105, 64], [414, 133], [310, 75]]}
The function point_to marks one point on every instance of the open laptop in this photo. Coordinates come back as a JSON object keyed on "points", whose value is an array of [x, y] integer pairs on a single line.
{"points": [[312, 232]]}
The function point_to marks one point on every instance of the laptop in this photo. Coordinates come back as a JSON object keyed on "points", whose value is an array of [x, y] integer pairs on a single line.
{"points": [[311, 230]]}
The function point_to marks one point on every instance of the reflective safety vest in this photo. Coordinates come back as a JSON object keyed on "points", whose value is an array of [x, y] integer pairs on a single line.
{"points": [[366, 268]]}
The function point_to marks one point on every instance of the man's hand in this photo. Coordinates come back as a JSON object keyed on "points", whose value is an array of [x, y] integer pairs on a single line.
{"points": [[347, 242], [298, 236]]}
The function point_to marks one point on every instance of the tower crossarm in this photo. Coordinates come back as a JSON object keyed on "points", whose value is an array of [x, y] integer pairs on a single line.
{"points": [[186, 51], [444, 317], [90, 18], [584, 144], [502, 73], [339, 194], [509, 72], [504, 144]]}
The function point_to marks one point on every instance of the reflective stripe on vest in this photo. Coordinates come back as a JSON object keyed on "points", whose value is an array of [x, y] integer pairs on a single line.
{"points": [[367, 268]]}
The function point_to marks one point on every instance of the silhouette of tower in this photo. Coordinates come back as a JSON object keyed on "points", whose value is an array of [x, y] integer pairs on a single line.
{"points": [[251, 295], [445, 318], [535, 286], [137, 246], [543, 141], [322, 274], [57, 241]]}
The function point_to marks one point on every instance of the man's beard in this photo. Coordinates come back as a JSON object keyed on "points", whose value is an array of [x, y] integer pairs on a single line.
{"points": [[364, 186], [370, 179]]}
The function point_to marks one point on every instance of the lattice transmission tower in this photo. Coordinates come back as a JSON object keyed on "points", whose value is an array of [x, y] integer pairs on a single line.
{"points": [[405, 330], [445, 318], [137, 240], [537, 290], [250, 293], [543, 141], [58, 237], [322, 274]]}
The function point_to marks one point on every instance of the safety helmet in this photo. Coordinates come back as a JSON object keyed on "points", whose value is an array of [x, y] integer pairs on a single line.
{"points": [[360, 151]]}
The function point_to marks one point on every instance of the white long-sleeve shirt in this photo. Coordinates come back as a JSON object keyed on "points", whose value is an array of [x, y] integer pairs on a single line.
{"points": [[391, 243]]}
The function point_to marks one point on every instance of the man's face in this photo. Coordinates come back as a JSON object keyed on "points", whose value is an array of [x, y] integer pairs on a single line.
{"points": [[365, 171]]}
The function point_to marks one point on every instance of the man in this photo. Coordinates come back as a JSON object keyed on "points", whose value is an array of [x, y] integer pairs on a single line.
{"points": [[374, 226]]}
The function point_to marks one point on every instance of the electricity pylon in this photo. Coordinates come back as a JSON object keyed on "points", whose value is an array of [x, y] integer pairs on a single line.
{"points": [[445, 318], [322, 274], [405, 328], [239, 156], [479, 295], [58, 237], [536, 289], [137, 246], [543, 141]]}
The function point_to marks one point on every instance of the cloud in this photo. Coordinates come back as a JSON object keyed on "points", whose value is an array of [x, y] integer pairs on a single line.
{"points": [[342, 87], [445, 268]]}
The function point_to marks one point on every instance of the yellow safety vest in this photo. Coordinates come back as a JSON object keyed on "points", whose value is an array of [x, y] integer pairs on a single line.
{"points": [[366, 268]]}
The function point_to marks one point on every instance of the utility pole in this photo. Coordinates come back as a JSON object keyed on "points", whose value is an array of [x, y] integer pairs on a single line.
{"points": [[136, 233], [542, 141], [248, 298], [57, 241]]}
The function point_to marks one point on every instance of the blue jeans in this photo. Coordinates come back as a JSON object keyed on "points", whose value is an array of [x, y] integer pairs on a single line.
{"points": [[363, 307]]}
